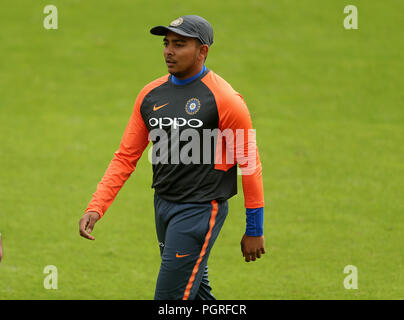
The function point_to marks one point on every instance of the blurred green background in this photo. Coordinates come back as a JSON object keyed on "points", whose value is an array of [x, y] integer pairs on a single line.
{"points": [[327, 104]]}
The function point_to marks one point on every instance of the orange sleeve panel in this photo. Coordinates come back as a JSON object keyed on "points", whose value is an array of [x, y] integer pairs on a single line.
{"points": [[234, 115], [133, 143]]}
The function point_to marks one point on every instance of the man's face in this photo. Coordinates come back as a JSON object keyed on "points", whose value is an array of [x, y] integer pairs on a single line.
{"points": [[182, 54]]}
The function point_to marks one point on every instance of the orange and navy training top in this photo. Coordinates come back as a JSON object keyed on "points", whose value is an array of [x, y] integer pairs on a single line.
{"points": [[200, 131]]}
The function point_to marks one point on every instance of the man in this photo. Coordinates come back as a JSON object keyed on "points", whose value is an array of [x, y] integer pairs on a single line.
{"points": [[192, 179]]}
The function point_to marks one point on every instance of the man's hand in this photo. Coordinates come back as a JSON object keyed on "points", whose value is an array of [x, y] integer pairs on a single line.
{"points": [[252, 247], [86, 224]]}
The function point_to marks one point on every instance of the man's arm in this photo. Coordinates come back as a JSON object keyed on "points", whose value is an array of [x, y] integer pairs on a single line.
{"points": [[234, 115], [133, 143], [247, 157], [237, 118]]}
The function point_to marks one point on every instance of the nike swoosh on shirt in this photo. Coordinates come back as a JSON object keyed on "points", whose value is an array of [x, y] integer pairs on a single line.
{"points": [[181, 255], [159, 107]]}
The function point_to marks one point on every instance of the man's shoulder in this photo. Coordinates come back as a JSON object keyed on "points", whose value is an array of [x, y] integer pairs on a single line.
{"points": [[154, 84], [220, 88], [149, 87], [217, 82]]}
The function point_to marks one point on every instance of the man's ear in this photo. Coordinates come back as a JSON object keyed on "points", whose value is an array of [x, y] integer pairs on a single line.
{"points": [[204, 49]]}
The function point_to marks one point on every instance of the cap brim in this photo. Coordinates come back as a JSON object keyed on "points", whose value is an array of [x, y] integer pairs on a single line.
{"points": [[162, 31]]}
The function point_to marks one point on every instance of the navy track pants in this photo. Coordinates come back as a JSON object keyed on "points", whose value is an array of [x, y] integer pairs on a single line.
{"points": [[186, 233]]}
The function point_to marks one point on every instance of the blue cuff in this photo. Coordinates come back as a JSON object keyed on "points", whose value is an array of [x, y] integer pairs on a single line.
{"points": [[255, 222]]}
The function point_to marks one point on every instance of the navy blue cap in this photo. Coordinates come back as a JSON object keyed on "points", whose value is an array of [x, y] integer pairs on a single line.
{"points": [[188, 26]]}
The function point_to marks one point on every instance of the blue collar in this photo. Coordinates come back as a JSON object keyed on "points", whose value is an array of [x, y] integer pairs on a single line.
{"points": [[188, 80]]}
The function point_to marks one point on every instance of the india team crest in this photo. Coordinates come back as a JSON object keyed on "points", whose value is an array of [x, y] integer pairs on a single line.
{"points": [[192, 106], [176, 22]]}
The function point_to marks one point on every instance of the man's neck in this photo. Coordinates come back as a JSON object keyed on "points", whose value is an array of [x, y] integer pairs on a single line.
{"points": [[186, 80]]}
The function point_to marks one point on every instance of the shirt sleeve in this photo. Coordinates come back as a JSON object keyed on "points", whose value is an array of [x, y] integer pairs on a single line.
{"points": [[123, 163], [234, 115]]}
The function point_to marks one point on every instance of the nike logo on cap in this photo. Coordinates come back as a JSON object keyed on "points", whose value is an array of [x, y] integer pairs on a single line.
{"points": [[159, 107]]}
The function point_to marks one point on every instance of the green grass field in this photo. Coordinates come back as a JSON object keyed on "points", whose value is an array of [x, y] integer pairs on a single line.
{"points": [[327, 104]]}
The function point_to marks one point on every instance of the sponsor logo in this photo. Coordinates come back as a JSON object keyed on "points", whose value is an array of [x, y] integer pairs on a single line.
{"points": [[175, 122], [192, 106], [159, 107], [177, 255]]}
